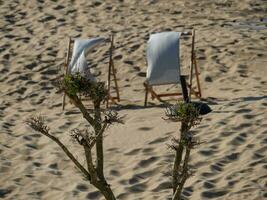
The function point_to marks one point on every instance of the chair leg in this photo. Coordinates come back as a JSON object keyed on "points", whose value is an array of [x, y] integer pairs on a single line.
{"points": [[196, 93], [146, 94], [66, 64], [154, 95], [184, 89], [115, 81], [63, 101], [197, 77], [191, 64], [107, 101]]}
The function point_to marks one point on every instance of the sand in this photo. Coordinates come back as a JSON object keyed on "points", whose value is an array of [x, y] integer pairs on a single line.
{"points": [[231, 41]]}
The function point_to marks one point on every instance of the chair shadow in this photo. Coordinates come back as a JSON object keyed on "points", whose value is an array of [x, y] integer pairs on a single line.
{"points": [[252, 98], [209, 100], [216, 101], [137, 107]]}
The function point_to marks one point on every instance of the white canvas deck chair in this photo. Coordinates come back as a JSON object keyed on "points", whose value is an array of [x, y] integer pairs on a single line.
{"points": [[78, 63], [163, 60]]}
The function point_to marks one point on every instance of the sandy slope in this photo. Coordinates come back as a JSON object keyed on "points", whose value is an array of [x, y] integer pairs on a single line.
{"points": [[231, 49]]}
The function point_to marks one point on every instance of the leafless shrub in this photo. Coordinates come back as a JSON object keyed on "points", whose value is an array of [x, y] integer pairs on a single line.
{"points": [[73, 86], [189, 117]]}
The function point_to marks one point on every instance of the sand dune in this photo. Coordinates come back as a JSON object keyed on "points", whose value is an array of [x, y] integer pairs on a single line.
{"points": [[231, 40]]}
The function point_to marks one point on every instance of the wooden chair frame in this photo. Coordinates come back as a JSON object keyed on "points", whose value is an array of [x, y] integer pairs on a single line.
{"points": [[184, 84], [111, 72]]}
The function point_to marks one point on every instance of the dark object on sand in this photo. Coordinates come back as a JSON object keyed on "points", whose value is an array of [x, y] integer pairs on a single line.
{"points": [[203, 108]]}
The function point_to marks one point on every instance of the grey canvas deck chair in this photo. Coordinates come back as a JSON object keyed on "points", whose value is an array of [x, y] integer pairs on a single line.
{"points": [[80, 49], [163, 60]]}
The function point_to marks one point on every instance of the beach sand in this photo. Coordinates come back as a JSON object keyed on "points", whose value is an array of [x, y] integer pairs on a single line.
{"points": [[231, 47]]}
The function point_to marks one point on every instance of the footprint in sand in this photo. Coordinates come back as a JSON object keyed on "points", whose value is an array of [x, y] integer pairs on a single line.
{"points": [[58, 7], [82, 187], [208, 184], [187, 192], [128, 62], [132, 152], [145, 128], [4, 192], [213, 194], [94, 195], [166, 185], [142, 74], [137, 188], [117, 57], [134, 47], [238, 140], [147, 162], [114, 172], [159, 140]]}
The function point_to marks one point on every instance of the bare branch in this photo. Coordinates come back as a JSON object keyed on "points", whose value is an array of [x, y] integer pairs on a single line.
{"points": [[174, 145], [92, 142], [74, 85], [78, 103], [90, 165], [176, 166], [37, 123], [112, 116], [184, 176], [78, 136]]}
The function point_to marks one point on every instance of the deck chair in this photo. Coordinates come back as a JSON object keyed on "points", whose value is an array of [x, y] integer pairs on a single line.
{"points": [[78, 63], [163, 60]]}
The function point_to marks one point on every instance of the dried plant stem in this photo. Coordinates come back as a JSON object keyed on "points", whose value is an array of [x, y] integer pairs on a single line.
{"points": [[178, 158], [105, 190], [99, 142], [69, 154], [73, 86], [97, 173], [100, 184], [37, 124], [89, 162], [180, 173], [189, 116], [184, 176], [176, 166]]}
